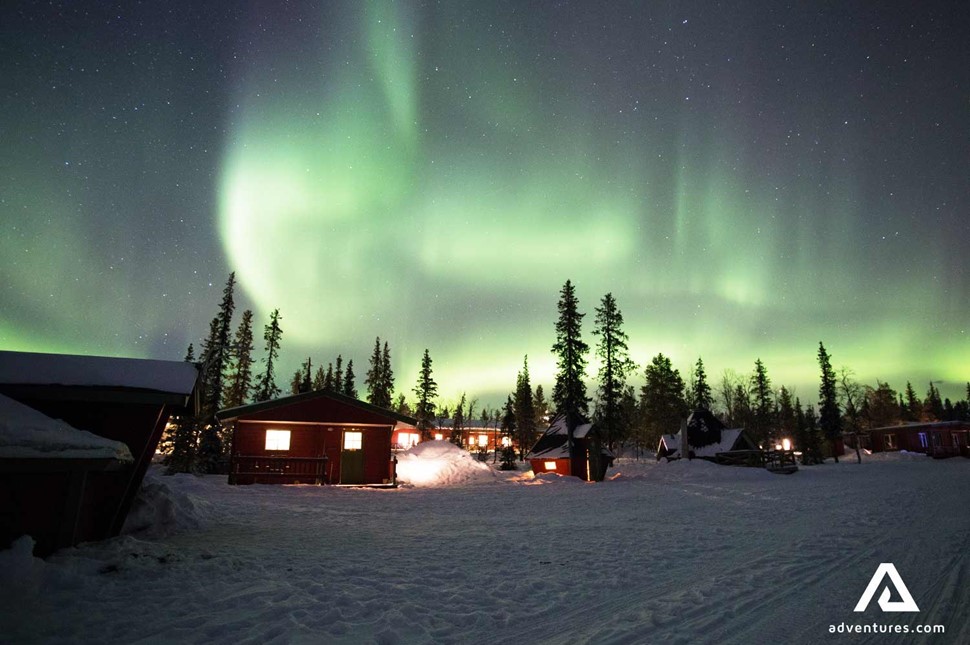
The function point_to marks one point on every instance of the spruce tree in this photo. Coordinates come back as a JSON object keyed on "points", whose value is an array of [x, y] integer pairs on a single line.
{"points": [[541, 407], [426, 390], [373, 379], [319, 379], [266, 387], [306, 380], [217, 351], [296, 381], [615, 365], [349, 388], [523, 406], [183, 441], [328, 379], [241, 373], [508, 434], [913, 408], [338, 374], [387, 374], [662, 404], [741, 415], [703, 396], [457, 435], [932, 405], [786, 424], [190, 354], [762, 408], [569, 393], [830, 419]]}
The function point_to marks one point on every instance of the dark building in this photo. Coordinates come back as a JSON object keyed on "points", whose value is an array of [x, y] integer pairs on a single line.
{"points": [[571, 448]]}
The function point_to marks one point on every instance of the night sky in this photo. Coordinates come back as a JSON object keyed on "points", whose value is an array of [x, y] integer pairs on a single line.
{"points": [[746, 178]]}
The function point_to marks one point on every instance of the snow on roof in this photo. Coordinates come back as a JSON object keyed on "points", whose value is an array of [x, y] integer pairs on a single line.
{"points": [[729, 437], [27, 368], [554, 442], [26, 433], [559, 426]]}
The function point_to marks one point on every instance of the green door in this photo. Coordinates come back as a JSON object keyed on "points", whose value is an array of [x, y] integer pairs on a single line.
{"points": [[352, 458]]}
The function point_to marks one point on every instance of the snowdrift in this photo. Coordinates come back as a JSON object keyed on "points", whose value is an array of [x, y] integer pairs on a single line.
{"points": [[165, 505], [440, 463], [26, 433]]}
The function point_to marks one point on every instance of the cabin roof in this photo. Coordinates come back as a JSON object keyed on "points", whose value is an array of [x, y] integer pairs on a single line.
{"points": [[230, 414], [37, 369], [728, 442], [933, 425], [554, 442]]}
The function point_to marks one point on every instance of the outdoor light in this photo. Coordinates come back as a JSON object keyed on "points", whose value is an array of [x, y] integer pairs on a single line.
{"points": [[777, 446], [786, 444]]}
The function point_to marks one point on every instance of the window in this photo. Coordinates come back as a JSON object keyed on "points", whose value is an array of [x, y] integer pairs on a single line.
{"points": [[889, 441], [408, 439], [956, 440], [353, 440], [277, 439], [438, 436], [482, 440], [550, 465], [922, 440], [506, 442]]}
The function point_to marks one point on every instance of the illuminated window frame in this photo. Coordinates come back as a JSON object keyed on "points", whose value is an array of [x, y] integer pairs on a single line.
{"points": [[278, 440], [550, 465], [482, 440], [353, 440], [439, 437]]}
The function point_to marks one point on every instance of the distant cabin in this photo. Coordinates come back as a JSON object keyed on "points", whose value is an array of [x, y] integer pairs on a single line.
{"points": [[314, 438], [477, 435], [941, 439], [709, 439], [569, 448], [55, 497]]}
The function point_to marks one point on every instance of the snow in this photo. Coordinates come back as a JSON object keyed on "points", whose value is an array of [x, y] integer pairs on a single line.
{"points": [[28, 368], [26, 433], [728, 437], [683, 552], [440, 463]]}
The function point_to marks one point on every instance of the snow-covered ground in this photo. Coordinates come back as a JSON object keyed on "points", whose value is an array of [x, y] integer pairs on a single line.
{"points": [[680, 552]]}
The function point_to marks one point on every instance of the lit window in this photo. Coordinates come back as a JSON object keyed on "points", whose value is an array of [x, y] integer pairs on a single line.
{"points": [[506, 442], [409, 439], [922, 440], [353, 440], [550, 465], [439, 437], [277, 439], [482, 440], [890, 441]]}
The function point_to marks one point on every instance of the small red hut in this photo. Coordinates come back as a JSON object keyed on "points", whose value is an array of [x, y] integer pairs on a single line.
{"points": [[570, 448], [314, 438]]}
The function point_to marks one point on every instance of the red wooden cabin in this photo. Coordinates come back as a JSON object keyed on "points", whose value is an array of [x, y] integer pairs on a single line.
{"points": [[568, 448], [124, 399], [939, 440], [314, 438]]}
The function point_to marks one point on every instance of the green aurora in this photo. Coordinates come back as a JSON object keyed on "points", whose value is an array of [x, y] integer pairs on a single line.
{"points": [[433, 176]]}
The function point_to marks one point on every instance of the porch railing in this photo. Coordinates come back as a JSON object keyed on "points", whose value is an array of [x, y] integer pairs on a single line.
{"points": [[309, 469]]}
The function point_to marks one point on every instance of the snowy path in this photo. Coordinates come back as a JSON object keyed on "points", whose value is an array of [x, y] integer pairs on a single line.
{"points": [[688, 553]]}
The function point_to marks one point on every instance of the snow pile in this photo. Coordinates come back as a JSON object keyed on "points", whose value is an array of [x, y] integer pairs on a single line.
{"points": [[21, 574], [440, 463], [26, 433], [555, 478], [164, 506]]}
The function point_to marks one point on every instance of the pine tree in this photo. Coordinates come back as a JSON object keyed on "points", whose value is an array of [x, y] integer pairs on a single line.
{"points": [[741, 414], [830, 419], [426, 390], [350, 389], [241, 373], [524, 408], [328, 379], [807, 435], [881, 408], [932, 405], [615, 365], [338, 374], [401, 405], [183, 441], [662, 404], [190, 354], [762, 407], [569, 393], [913, 408], [266, 387], [306, 381], [703, 396]]}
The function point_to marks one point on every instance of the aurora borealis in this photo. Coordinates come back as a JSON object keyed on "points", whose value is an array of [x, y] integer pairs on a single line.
{"points": [[746, 180]]}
